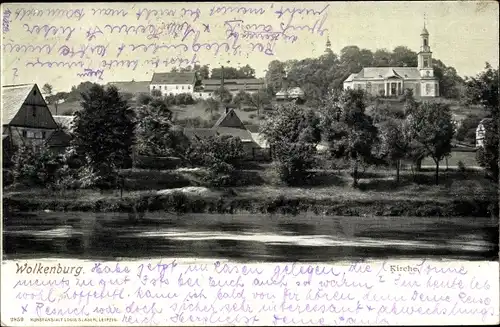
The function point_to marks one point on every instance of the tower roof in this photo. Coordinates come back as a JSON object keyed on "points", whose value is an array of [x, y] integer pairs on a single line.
{"points": [[424, 31], [328, 43]]}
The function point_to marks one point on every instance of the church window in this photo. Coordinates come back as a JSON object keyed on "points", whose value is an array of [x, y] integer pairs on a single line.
{"points": [[426, 63], [425, 42]]}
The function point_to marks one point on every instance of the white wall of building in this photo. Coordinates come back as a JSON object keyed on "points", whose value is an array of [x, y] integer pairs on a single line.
{"points": [[172, 88]]}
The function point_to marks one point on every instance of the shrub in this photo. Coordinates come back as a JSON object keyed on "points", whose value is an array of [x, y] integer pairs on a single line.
{"points": [[157, 163], [34, 166], [249, 109], [461, 166]]}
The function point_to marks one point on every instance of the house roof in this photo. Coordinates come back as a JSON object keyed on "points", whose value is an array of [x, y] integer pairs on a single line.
{"points": [[385, 72], [13, 97], [173, 78], [64, 121], [132, 86], [225, 120], [234, 85]]}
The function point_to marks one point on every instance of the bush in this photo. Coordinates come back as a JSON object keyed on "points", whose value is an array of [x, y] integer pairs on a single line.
{"points": [[249, 109], [461, 166], [34, 166], [157, 163]]}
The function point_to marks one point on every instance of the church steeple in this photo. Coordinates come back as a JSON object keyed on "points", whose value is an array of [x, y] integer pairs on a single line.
{"points": [[425, 54], [328, 45]]}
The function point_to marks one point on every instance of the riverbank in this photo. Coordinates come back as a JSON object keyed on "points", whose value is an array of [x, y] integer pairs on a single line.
{"points": [[244, 201]]}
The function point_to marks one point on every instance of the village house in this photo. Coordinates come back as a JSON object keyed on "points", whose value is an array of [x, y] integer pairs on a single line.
{"points": [[392, 81], [249, 85], [230, 124], [173, 83], [26, 118]]}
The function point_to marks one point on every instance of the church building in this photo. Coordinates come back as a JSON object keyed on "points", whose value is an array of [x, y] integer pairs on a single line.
{"points": [[392, 81]]}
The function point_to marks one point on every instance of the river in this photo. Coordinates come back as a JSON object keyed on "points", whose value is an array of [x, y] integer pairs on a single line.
{"points": [[84, 235]]}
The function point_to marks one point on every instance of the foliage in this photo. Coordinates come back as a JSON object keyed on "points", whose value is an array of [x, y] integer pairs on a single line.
{"points": [[432, 128], [241, 98], [348, 130], [487, 155], [212, 106], [34, 166], [451, 85], [47, 89], [466, 132], [104, 130], [223, 95], [483, 89], [396, 142], [233, 73], [155, 133], [144, 99], [156, 93], [293, 134], [179, 99], [220, 154]]}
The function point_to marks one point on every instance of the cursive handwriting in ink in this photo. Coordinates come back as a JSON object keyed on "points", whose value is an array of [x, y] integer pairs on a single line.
{"points": [[6, 20], [87, 72], [48, 13], [27, 48], [47, 30], [109, 12]]}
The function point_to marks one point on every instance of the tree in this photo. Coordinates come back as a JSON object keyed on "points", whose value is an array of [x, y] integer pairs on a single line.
{"points": [[241, 97], [47, 90], [466, 132], [487, 155], [349, 131], [104, 132], [246, 72], [220, 154], [154, 130], [450, 83], [156, 93], [259, 99], [229, 73], [396, 141], [223, 95], [274, 75], [212, 106], [432, 128], [382, 58], [34, 166], [402, 56], [483, 90], [293, 134], [144, 99]]}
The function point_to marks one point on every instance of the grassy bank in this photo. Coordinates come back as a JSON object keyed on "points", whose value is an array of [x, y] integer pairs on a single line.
{"points": [[181, 203], [327, 193]]}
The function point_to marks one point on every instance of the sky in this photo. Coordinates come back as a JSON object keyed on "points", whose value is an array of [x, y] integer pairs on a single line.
{"points": [[462, 34]]}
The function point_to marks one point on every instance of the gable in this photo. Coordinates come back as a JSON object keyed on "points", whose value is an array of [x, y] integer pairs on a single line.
{"points": [[230, 119], [32, 111]]}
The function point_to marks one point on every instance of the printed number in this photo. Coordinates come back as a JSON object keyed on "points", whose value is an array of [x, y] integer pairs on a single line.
{"points": [[18, 319]]}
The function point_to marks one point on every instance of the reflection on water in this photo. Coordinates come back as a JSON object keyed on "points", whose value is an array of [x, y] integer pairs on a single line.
{"points": [[247, 237]]}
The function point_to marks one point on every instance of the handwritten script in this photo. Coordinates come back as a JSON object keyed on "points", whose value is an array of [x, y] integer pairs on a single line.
{"points": [[187, 292], [93, 40]]}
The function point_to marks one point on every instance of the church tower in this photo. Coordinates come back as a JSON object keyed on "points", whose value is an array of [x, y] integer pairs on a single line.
{"points": [[328, 49], [425, 55]]}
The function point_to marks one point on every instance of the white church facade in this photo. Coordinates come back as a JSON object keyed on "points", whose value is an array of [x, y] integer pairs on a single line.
{"points": [[392, 81]]}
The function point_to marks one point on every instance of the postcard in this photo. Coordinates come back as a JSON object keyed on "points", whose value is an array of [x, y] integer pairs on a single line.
{"points": [[250, 163]]}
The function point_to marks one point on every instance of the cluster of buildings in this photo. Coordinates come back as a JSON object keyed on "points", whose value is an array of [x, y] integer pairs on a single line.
{"points": [[177, 83], [27, 119]]}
